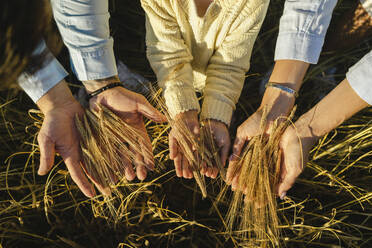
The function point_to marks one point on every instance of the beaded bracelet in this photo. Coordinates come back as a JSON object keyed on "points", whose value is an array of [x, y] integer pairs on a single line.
{"points": [[109, 86], [282, 87]]}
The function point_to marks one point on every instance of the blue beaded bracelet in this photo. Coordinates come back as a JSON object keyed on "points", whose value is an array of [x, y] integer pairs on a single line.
{"points": [[282, 87]]}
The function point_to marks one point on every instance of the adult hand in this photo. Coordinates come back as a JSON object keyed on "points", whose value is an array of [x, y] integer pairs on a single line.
{"points": [[221, 138], [295, 143], [339, 105], [280, 106], [131, 107], [190, 121], [58, 134]]}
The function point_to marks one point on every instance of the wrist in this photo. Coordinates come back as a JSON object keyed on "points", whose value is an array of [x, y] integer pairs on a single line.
{"points": [[59, 96], [277, 103], [186, 115], [306, 129], [93, 85], [289, 73], [211, 121]]}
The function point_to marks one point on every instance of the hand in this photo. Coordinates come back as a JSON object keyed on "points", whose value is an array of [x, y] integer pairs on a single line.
{"points": [[280, 106], [221, 138], [58, 134], [190, 120], [131, 107], [295, 143]]}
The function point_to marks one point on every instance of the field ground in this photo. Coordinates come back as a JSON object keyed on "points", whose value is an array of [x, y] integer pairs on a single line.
{"points": [[330, 206]]}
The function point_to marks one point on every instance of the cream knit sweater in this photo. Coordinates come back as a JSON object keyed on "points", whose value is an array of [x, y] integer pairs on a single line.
{"points": [[209, 54]]}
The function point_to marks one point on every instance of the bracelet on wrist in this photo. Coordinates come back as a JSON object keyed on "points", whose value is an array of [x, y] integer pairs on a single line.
{"points": [[106, 87], [282, 87]]}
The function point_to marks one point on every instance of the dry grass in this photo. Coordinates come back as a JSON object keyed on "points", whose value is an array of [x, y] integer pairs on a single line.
{"points": [[109, 146], [201, 152], [330, 205], [254, 205], [188, 144]]}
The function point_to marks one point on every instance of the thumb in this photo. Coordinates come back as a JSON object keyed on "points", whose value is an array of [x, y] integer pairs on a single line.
{"points": [[47, 150], [196, 129], [287, 182], [224, 153], [173, 147], [145, 108], [237, 148]]}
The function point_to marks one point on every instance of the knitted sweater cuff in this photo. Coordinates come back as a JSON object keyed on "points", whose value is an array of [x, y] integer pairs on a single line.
{"points": [[217, 110], [180, 99]]}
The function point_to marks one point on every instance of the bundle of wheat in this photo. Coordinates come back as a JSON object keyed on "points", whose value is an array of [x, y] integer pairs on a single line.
{"points": [[254, 204], [109, 146], [210, 151], [201, 152]]}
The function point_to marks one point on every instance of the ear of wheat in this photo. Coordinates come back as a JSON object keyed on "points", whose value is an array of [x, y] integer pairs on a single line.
{"points": [[109, 145], [253, 209], [205, 152]]}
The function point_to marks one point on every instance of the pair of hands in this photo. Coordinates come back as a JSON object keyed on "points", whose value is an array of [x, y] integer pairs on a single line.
{"points": [[219, 132], [295, 144], [58, 133]]}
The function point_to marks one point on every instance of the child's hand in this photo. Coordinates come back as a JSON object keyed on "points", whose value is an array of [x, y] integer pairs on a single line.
{"points": [[190, 120], [221, 137]]}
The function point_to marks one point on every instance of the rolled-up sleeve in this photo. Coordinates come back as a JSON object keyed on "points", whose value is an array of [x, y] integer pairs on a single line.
{"points": [[360, 78], [302, 29], [40, 82], [84, 26]]}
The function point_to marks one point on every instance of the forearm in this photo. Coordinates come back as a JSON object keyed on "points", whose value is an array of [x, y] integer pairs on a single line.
{"points": [[58, 96], [339, 105], [289, 73], [38, 83]]}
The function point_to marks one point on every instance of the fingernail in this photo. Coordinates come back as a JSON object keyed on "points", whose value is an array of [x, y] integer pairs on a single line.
{"points": [[41, 172], [283, 195]]}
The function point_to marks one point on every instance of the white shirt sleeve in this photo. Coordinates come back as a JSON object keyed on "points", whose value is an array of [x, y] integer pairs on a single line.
{"points": [[360, 78], [84, 26], [302, 29], [40, 82]]}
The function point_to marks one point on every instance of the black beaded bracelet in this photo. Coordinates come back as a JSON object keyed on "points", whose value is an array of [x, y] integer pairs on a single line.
{"points": [[109, 86]]}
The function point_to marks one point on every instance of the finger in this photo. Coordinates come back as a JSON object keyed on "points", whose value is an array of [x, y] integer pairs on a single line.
{"points": [[128, 169], [173, 147], [287, 183], [150, 112], [224, 153], [104, 190], [186, 168], [209, 171], [178, 165], [237, 148], [203, 169], [214, 172], [231, 171], [146, 148], [140, 167], [234, 183], [196, 130], [78, 176], [47, 150], [129, 173]]}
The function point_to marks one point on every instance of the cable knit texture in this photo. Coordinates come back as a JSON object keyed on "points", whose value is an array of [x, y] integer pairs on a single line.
{"points": [[209, 54]]}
